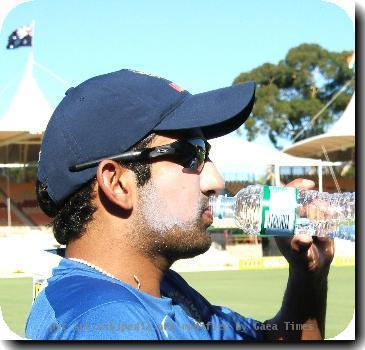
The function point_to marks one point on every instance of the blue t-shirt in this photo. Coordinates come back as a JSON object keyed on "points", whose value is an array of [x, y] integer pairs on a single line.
{"points": [[80, 303]]}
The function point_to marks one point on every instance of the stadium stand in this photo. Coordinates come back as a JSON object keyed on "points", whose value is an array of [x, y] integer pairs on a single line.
{"points": [[23, 204]]}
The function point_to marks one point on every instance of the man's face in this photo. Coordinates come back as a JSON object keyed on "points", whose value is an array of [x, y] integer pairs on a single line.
{"points": [[172, 208]]}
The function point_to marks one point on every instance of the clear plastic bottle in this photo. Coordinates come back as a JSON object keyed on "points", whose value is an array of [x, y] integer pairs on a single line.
{"points": [[284, 211]]}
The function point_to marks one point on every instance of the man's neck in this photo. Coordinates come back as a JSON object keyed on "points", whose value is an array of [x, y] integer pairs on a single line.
{"points": [[126, 264]]}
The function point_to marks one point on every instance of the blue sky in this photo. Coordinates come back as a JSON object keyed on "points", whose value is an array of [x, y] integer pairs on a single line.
{"points": [[200, 44]]}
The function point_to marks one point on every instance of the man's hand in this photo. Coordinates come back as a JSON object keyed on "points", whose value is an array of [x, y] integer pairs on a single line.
{"points": [[306, 254], [303, 311]]}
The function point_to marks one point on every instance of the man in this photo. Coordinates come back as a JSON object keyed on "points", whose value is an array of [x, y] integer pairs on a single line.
{"points": [[124, 170]]}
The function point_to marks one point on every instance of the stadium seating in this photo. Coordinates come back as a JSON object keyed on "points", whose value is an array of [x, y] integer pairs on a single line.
{"points": [[24, 208]]}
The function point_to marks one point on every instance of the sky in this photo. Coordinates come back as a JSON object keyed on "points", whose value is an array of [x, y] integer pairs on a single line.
{"points": [[200, 44]]}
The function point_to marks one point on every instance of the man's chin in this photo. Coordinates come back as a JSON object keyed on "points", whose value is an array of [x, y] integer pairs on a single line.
{"points": [[181, 244], [194, 250]]}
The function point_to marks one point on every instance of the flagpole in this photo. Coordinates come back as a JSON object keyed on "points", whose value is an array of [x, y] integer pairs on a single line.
{"points": [[31, 56], [33, 31], [45, 69], [8, 199]]}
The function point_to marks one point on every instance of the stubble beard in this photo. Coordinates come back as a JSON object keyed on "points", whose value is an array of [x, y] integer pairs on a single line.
{"points": [[160, 233]]}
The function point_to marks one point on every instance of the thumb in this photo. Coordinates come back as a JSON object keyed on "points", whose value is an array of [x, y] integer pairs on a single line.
{"points": [[301, 243], [302, 184]]}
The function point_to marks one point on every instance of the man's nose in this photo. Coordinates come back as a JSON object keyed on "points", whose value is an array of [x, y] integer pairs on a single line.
{"points": [[211, 180]]}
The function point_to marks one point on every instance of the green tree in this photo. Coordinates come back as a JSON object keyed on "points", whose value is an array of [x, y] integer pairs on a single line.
{"points": [[290, 93]]}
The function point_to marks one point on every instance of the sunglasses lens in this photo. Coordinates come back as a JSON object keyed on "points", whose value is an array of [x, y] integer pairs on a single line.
{"points": [[199, 154], [192, 163], [191, 153]]}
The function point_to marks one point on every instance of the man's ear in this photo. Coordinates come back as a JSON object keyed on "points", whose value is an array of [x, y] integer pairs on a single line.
{"points": [[116, 183]]}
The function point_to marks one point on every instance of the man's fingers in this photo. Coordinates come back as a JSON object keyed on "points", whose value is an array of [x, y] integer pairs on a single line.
{"points": [[313, 259], [326, 245], [304, 254], [302, 184], [301, 243]]}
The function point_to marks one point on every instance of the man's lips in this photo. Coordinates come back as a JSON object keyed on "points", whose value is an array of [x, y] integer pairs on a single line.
{"points": [[207, 210], [207, 216]]}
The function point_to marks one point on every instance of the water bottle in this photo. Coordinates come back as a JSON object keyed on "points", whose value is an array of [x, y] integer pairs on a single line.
{"points": [[285, 211]]}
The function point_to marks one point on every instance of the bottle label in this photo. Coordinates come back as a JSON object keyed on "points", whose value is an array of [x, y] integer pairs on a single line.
{"points": [[278, 211]]}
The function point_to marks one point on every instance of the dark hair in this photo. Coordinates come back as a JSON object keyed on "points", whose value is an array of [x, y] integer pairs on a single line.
{"points": [[74, 213]]}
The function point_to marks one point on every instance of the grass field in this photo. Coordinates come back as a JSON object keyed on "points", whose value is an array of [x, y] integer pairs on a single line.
{"points": [[257, 294]]}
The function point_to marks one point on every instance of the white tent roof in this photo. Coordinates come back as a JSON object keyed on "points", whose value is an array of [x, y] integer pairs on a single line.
{"points": [[28, 113], [232, 155], [340, 137]]}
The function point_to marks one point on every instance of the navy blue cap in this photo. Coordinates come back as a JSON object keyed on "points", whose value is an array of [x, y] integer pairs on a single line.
{"points": [[110, 113]]}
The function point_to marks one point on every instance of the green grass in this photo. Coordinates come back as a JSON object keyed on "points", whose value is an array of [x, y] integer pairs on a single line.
{"points": [[256, 294], [15, 301]]}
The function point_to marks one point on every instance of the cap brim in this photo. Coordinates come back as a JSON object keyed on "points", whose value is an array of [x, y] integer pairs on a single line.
{"points": [[216, 112]]}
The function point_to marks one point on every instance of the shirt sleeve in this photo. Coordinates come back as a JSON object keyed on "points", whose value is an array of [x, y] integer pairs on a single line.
{"points": [[117, 320]]}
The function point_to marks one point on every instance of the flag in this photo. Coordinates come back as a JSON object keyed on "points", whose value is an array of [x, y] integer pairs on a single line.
{"points": [[22, 36]]}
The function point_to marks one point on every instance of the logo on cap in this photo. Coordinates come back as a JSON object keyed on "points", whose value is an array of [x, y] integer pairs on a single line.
{"points": [[176, 87]]}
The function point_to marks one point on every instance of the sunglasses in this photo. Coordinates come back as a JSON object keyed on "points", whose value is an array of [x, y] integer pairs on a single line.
{"points": [[190, 153]]}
